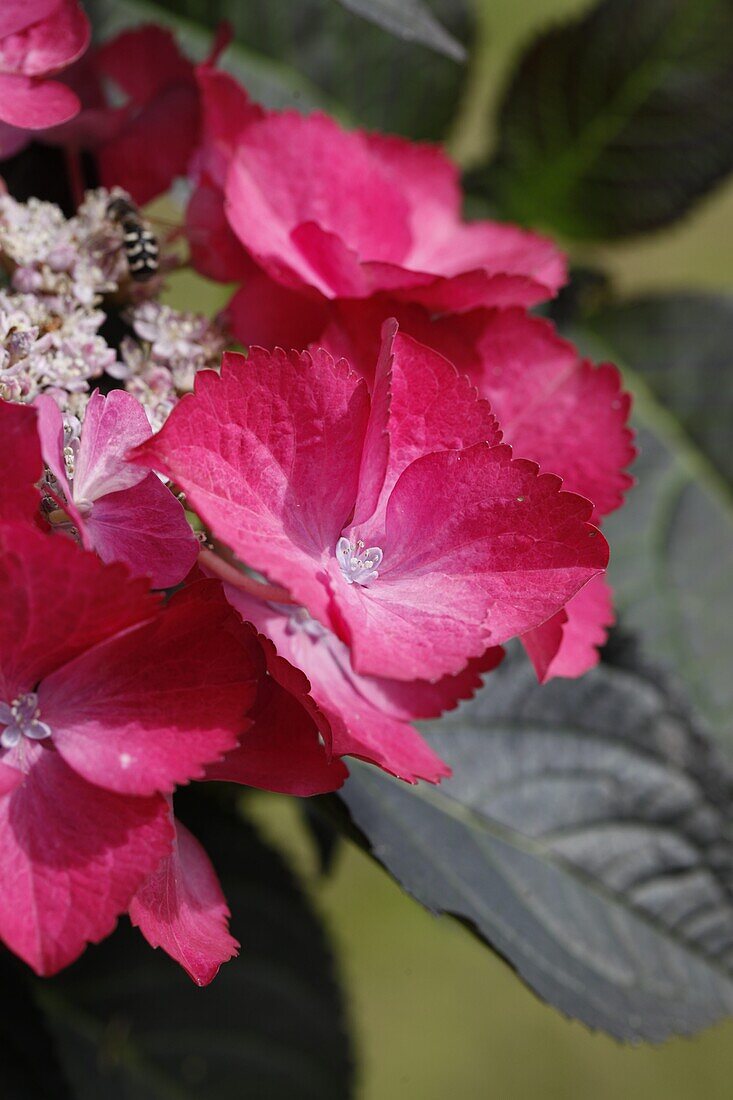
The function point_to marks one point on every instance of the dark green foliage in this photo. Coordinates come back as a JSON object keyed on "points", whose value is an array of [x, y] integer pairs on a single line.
{"points": [[672, 542], [314, 52], [681, 345], [584, 835], [409, 19], [616, 123], [29, 1067], [132, 1026]]}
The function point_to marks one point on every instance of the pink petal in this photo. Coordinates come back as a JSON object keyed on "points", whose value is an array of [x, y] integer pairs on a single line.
{"points": [[71, 858], [428, 178], [182, 909], [556, 408], [383, 215], [113, 425], [285, 748], [215, 251], [10, 778], [34, 105], [377, 444], [265, 313], [431, 408], [51, 436], [567, 645], [149, 708], [268, 454], [66, 599], [16, 15], [478, 548], [552, 406], [19, 498], [226, 111], [365, 719], [169, 124], [277, 183], [143, 62], [484, 264], [49, 44], [146, 528]]}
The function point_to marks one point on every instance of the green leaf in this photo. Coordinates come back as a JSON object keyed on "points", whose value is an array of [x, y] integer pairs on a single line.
{"points": [[409, 19], [132, 1026], [24, 1075], [682, 346], [672, 542], [615, 124], [308, 53], [584, 835], [266, 78]]}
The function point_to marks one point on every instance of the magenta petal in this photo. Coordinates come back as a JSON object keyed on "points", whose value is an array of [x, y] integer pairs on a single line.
{"points": [[215, 251], [71, 858], [277, 176], [16, 15], [33, 104], [182, 909], [377, 444], [146, 528], [169, 124], [10, 778], [554, 407], [478, 548], [151, 707], [265, 313], [331, 266], [268, 454], [431, 408], [19, 498], [226, 110], [288, 746], [143, 62], [66, 599], [48, 44], [365, 719], [567, 645], [113, 425], [384, 215]]}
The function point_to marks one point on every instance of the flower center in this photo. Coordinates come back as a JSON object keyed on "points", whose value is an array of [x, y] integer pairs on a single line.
{"points": [[21, 719], [301, 622], [359, 563]]}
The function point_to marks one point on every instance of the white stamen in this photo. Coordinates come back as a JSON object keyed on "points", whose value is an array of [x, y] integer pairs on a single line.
{"points": [[359, 564], [21, 719]]}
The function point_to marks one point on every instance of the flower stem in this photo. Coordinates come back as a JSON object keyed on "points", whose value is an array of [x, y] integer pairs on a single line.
{"points": [[76, 176], [211, 563]]}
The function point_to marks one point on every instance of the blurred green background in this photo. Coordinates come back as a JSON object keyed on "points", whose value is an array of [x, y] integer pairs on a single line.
{"points": [[434, 1014]]}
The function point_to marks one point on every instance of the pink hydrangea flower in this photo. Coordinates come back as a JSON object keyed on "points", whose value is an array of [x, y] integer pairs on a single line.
{"points": [[108, 701], [367, 716], [398, 520], [118, 510], [288, 744], [38, 38], [138, 93], [384, 216], [553, 406]]}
